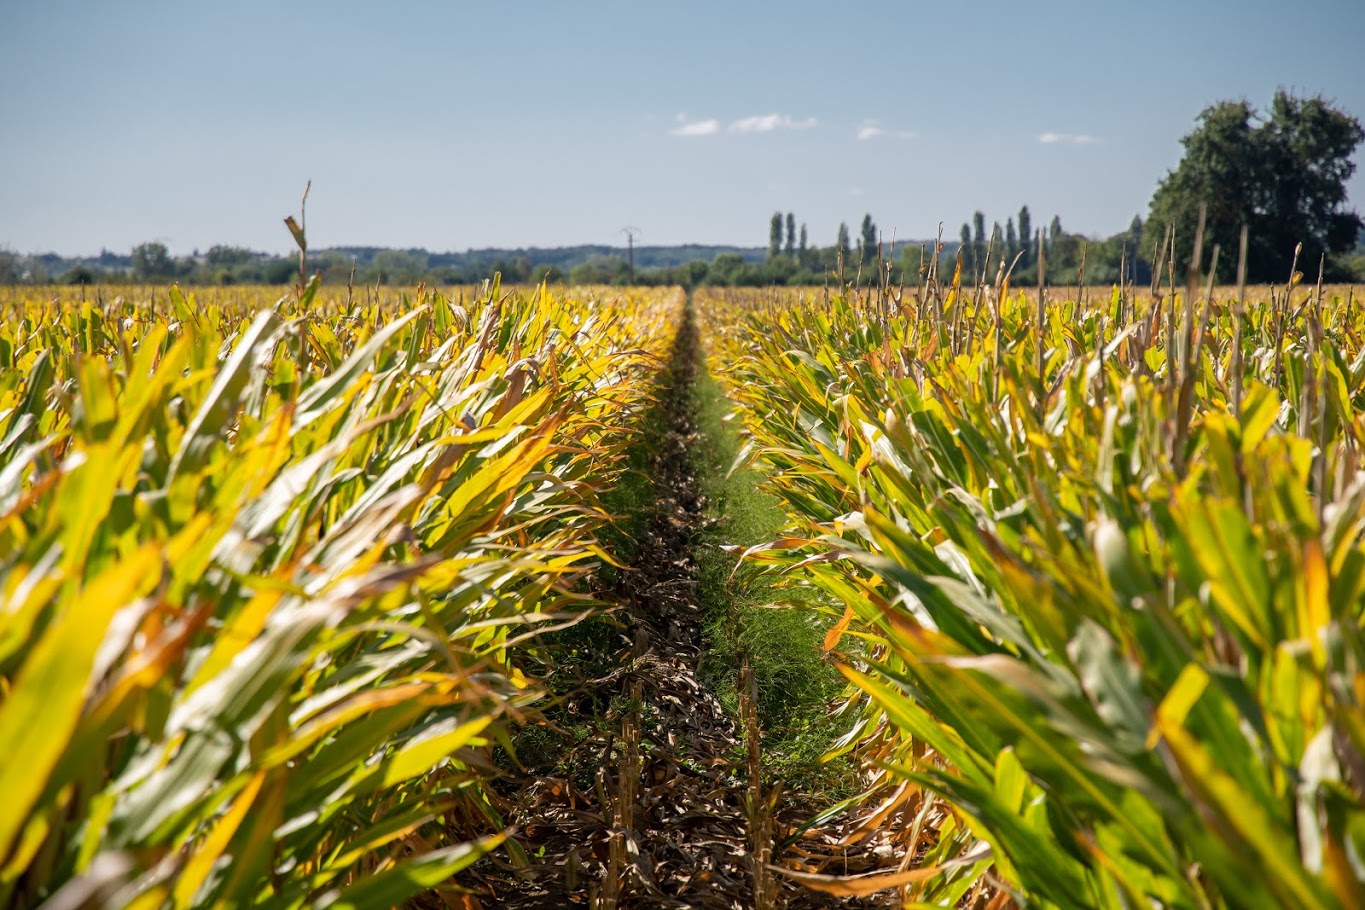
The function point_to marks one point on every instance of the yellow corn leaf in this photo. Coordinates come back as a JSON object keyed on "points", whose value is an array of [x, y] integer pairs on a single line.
{"points": [[44, 707]]}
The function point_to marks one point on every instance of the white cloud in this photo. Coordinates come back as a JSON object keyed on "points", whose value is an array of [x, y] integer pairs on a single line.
{"points": [[766, 123], [869, 130], [762, 123], [1069, 138], [873, 129], [696, 128]]}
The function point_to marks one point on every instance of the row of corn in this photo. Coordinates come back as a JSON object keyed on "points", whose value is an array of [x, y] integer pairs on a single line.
{"points": [[1094, 568], [267, 571]]}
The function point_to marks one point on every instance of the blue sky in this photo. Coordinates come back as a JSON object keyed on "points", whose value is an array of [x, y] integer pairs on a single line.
{"points": [[456, 125]]}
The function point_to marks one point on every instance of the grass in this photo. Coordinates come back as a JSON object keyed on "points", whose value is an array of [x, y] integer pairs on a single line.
{"points": [[749, 615]]}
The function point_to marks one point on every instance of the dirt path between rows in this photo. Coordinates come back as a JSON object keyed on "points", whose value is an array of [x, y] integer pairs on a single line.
{"points": [[653, 810]]}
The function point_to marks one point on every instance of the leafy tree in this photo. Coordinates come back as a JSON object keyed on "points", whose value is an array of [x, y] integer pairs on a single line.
{"points": [[408, 267], [727, 268], [35, 270], [1135, 232], [841, 242], [81, 274], [775, 236], [1130, 241], [791, 236], [222, 256], [1064, 253], [911, 259], [10, 267], [1355, 261], [1283, 174], [1025, 237], [807, 253], [281, 271], [979, 242], [152, 261], [966, 241], [598, 270], [1011, 240], [867, 240], [693, 273]]}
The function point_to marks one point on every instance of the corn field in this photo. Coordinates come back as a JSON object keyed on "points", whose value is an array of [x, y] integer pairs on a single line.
{"points": [[266, 571], [1094, 570], [276, 575]]}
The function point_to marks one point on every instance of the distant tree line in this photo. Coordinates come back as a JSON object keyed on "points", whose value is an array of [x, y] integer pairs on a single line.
{"points": [[1063, 254], [1281, 173], [153, 263]]}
